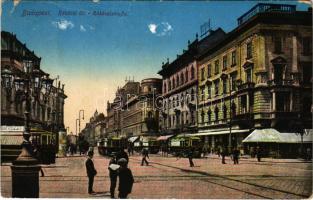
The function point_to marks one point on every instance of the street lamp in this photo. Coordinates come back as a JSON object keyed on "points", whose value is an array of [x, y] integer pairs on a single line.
{"points": [[25, 179]]}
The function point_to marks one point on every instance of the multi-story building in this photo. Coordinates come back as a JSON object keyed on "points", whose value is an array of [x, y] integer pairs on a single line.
{"points": [[180, 86], [114, 110], [46, 104], [258, 76], [140, 114], [95, 128]]}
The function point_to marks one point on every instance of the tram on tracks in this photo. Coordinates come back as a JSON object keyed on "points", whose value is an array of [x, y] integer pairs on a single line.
{"points": [[107, 146], [180, 145]]}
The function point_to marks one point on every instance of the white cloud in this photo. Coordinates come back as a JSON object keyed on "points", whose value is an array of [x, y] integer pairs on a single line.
{"points": [[96, 1], [162, 29], [63, 24], [82, 28], [152, 28], [310, 2]]}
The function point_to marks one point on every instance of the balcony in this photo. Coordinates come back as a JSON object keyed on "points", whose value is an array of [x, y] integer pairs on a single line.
{"points": [[245, 86], [265, 7], [283, 82]]}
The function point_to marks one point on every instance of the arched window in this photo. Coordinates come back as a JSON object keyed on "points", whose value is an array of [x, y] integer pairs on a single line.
{"points": [[177, 81]]}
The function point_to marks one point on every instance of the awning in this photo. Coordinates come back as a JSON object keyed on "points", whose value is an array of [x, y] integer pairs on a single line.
{"points": [[133, 139], [273, 136], [147, 138], [164, 137], [222, 132], [184, 136]]}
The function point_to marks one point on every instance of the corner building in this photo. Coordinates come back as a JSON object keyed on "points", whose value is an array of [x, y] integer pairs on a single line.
{"points": [[259, 76]]}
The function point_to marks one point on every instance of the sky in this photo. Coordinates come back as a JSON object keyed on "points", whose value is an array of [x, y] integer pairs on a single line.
{"points": [[94, 45]]}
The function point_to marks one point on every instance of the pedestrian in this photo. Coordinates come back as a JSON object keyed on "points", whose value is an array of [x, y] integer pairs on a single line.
{"points": [[219, 151], [37, 155], [308, 154], [236, 153], [113, 173], [126, 179], [258, 154], [129, 150], [223, 154], [145, 155], [122, 154], [190, 157], [91, 171]]}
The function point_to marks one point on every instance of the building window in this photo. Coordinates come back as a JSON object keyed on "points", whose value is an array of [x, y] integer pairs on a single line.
{"points": [[182, 78], [192, 94], [306, 46], [192, 117], [217, 66], [233, 109], [233, 58], [224, 112], [233, 82], [249, 75], [216, 113], [224, 62], [182, 100], [192, 73], [169, 103], [216, 85], [225, 86], [209, 70], [177, 101], [202, 116], [209, 115], [202, 94], [209, 91], [243, 104], [173, 82], [169, 85], [277, 44], [186, 75], [177, 81], [202, 74], [164, 88], [249, 50], [173, 102], [283, 101]]}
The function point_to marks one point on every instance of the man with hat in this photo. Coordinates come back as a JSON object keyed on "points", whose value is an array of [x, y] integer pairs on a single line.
{"points": [[126, 179], [113, 172], [91, 171]]}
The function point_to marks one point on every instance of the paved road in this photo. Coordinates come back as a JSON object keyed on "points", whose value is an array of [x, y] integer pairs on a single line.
{"points": [[173, 178]]}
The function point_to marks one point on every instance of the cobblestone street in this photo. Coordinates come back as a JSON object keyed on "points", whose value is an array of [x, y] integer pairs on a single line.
{"points": [[169, 177]]}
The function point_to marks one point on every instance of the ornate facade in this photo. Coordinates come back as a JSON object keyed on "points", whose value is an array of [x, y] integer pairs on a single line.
{"points": [[259, 76]]}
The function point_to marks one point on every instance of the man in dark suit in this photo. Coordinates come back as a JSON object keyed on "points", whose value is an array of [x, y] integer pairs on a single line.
{"points": [[126, 179], [91, 171], [122, 154]]}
